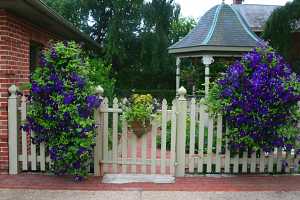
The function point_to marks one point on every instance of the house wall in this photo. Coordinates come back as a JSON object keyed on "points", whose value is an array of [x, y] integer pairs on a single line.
{"points": [[15, 37]]}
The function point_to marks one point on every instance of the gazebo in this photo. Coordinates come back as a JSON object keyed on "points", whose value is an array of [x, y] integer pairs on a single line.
{"points": [[221, 32]]}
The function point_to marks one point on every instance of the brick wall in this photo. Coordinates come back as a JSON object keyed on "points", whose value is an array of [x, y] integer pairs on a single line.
{"points": [[15, 37]]}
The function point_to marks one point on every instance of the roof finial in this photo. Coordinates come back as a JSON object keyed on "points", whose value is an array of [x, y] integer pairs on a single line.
{"points": [[223, 1]]}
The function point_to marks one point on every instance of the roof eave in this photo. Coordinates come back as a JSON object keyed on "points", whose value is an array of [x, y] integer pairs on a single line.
{"points": [[47, 14], [205, 49]]}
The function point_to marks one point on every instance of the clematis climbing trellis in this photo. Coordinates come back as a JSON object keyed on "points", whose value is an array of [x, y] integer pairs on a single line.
{"points": [[61, 108], [258, 96]]}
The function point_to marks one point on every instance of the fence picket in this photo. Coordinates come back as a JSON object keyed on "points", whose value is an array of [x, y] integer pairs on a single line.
{"points": [[115, 135], [201, 137], [144, 153], [288, 166], [153, 147], [262, 162], [133, 139], [245, 162], [270, 162], [124, 144], [173, 138], [33, 153], [219, 144], [253, 162], [192, 136], [42, 157], [163, 137], [236, 163], [227, 155], [209, 144], [105, 134], [279, 160], [24, 135]]}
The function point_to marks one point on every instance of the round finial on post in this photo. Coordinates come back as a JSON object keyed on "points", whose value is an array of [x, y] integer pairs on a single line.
{"points": [[99, 90], [202, 101], [13, 90], [181, 92]]}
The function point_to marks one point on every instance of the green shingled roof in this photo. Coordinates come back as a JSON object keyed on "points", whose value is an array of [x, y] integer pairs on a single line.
{"points": [[221, 28]]}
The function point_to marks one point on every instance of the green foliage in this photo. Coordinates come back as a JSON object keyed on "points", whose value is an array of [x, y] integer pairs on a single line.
{"points": [[135, 36], [258, 97], [281, 27], [101, 74], [139, 110], [61, 108]]}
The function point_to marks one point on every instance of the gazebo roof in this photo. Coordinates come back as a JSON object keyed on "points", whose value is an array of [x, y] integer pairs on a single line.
{"points": [[221, 31]]}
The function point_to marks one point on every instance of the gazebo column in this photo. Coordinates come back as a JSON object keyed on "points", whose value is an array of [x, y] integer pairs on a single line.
{"points": [[207, 60], [177, 73]]}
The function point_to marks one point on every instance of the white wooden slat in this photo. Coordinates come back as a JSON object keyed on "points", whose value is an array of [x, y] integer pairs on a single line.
{"points": [[288, 166], [48, 159], [236, 163], [24, 135], [42, 157], [133, 146], [33, 154], [209, 144], [153, 147], [192, 135], [296, 164], [124, 144], [144, 153], [279, 160], [262, 162], [163, 137], [137, 161], [105, 134], [219, 144], [173, 138], [253, 162], [201, 137], [227, 154], [115, 135], [98, 149], [270, 162], [245, 162]]}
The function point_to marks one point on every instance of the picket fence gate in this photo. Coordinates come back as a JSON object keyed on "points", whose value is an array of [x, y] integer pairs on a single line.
{"points": [[191, 142]]}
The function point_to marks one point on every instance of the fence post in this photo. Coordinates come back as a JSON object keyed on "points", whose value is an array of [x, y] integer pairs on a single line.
{"points": [[98, 146], [12, 130], [181, 133]]}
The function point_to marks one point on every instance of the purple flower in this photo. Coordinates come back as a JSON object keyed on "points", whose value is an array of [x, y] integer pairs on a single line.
{"points": [[77, 79], [35, 88], [69, 98], [54, 55], [43, 61], [93, 101], [81, 150], [78, 178], [76, 165]]}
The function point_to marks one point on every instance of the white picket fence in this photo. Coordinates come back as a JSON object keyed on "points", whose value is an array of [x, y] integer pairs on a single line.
{"points": [[118, 150]]}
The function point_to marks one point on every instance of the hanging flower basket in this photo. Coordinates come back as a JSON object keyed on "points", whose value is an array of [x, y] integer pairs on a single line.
{"points": [[138, 113], [140, 128]]}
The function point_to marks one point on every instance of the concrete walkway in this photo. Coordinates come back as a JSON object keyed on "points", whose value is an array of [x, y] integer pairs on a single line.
{"points": [[7, 194]]}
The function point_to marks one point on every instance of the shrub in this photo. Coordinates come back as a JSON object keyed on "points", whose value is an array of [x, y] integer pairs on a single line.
{"points": [[61, 108], [100, 73], [258, 97]]}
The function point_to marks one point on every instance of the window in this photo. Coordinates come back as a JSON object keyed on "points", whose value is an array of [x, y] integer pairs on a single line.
{"points": [[35, 50]]}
